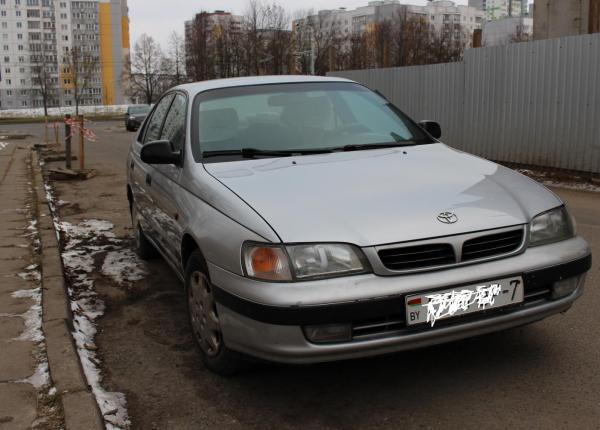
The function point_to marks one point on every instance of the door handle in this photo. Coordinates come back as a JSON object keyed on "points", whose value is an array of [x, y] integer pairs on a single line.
{"points": [[148, 179], [131, 165]]}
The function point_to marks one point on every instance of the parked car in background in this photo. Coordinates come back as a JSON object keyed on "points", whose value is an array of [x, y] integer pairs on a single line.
{"points": [[135, 116], [311, 220]]}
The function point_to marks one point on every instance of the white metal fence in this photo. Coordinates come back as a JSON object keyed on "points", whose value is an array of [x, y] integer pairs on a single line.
{"points": [[61, 111], [533, 103]]}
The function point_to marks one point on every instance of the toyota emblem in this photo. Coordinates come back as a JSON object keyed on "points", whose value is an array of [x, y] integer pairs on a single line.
{"points": [[447, 217]]}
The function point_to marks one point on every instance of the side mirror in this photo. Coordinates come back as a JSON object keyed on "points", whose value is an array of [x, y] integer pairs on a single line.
{"points": [[432, 127], [160, 152]]}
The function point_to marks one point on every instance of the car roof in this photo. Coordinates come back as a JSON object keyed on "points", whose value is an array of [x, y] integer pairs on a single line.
{"points": [[198, 87]]}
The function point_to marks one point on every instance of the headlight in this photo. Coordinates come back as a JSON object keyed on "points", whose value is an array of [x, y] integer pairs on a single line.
{"points": [[302, 262], [551, 226]]}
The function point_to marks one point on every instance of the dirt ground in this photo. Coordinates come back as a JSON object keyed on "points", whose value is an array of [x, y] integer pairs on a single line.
{"points": [[537, 377]]}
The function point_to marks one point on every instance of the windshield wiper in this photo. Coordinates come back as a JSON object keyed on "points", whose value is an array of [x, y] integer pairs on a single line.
{"points": [[252, 152], [365, 146]]}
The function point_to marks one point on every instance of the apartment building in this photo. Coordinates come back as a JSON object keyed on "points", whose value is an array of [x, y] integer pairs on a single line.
{"points": [[498, 9], [441, 15], [202, 29], [507, 30], [448, 16], [64, 49]]}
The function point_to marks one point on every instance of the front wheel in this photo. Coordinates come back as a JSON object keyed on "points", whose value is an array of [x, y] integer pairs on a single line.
{"points": [[204, 320]]}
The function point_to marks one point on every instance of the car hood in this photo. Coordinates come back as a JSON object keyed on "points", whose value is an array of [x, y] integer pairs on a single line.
{"points": [[382, 196]]}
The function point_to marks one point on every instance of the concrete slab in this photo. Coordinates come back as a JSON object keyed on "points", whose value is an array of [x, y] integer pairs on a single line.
{"points": [[18, 406], [10, 327], [7, 253], [63, 359], [56, 302], [48, 238], [13, 267], [81, 411], [16, 359], [51, 263], [13, 306], [14, 241], [11, 283]]}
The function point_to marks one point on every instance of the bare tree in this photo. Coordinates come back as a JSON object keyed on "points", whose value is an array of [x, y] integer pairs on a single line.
{"points": [[255, 20], [80, 67], [200, 56], [316, 35], [148, 69], [44, 79], [176, 58], [277, 43]]}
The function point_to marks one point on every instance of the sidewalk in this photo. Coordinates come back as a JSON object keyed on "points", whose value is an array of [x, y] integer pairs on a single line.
{"points": [[42, 385], [20, 295]]}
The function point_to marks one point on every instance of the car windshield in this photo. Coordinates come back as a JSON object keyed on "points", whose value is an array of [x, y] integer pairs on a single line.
{"points": [[270, 120], [139, 109]]}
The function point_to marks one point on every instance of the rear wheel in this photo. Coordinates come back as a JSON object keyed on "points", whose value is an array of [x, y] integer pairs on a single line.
{"points": [[204, 320], [143, 247]]}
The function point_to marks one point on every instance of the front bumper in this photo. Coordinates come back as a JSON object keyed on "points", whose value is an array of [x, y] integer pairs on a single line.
{"points": [[272, 329]]}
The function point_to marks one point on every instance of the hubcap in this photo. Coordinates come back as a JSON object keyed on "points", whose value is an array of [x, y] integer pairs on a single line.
{"points": [[203, 314]]}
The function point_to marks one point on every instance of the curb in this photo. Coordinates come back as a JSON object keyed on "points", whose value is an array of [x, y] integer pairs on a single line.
{"points": [[81, 410]]}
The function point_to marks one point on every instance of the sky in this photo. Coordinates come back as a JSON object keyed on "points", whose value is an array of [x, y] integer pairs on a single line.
{"points": [[159, 18]]}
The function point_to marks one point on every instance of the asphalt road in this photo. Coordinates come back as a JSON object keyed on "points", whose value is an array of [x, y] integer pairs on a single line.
{"points": [[542, 376]]}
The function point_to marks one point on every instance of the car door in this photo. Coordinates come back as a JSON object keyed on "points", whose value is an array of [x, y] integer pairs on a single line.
{"points": [[165, 180], [141, 173]]}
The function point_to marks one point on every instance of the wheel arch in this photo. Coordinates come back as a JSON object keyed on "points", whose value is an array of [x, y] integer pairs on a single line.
{"points": [[188, 245]]}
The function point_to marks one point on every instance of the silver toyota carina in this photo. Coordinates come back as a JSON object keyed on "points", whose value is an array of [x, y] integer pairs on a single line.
{"points": [[311, 220]]}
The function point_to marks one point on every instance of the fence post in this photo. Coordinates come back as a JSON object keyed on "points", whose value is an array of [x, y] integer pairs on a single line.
{"points": [[56, 134], [46, 129], [68, 141], [81, 142]]}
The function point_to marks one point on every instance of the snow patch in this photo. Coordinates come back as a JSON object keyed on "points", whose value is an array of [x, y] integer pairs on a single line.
{"points": [[91, 248], [40, 378], [123, 266]]}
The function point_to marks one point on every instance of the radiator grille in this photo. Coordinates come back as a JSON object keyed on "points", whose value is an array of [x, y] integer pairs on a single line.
{"points": [[492, 245], [417, 257]]}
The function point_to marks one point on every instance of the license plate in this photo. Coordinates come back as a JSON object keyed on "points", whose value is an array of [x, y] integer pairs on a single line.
{"points": [[439, 305]]}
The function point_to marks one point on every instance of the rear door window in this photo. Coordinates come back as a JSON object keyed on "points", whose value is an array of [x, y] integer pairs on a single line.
{"points": [[174, 128], [153, 129]]}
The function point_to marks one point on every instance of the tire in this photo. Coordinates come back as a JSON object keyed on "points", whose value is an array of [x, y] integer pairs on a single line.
{"points": [[143, 247], [204, 320]]}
